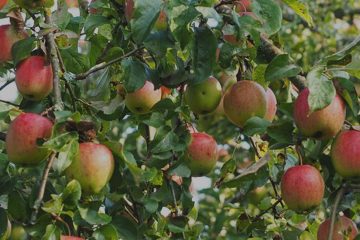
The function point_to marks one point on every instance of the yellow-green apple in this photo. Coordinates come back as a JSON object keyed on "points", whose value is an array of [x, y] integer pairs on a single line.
{"points": [[18, 232], [70, 238], [161, 23], [2, 3], [256, 195], [201, 154], [226, 79], [302, 188], [8, 37], [35, 4], [244, 100], [322, 124], [22, 137], [92, 167], [34, 78], [344, 228], [129, 9], [142, 100], [203, 97], [271, 105], [345, 153]]}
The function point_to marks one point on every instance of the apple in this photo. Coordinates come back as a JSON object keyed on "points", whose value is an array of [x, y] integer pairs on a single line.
{"points": [[142, 100], [201, 155], [242, 6], [344, 228], [70, 238], [302, 188], [271, 105], [92, 167], [34, 78], [18, 232], [2, 3], [345, 153], [35, 4], [22, 136], [256, 195], [129, 9], [8, 37], [72, 3], [244, 100], [165, 92], [204, 97], [161, 23], [322, 124]]}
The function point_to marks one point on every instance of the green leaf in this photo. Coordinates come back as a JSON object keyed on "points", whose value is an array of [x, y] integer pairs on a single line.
{"points": [[210, 13], [255, 125], [107, 232], [52, 233], [145, 16], [93, 217], [270, 15], [151, 205], [130, 162], [300, 9], [3, 222], [322, 90], [134, 74], [72, 193], [258, 74], [22, 49], [342, 53], [66, 156], [59, 143], [181, 170], [280, 68], [55, 205], [93, 21], [125, 227], [204, 54], [17, 206]]}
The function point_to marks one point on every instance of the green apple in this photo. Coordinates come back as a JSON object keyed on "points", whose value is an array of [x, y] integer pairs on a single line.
{"points": [[18, 232]]}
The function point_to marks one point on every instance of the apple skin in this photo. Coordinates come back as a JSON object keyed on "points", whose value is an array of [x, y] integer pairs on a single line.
{"points": [[242, 6], [129, 9], [165, 92], [244, 100], [345, 153], [92, 167], [322, 124], [256, 195], [161, 23], [22, 136], [34, 78], [271, 105], [70, 238], [2, 3], [72, 3], [342, 225], [8, 37], [204, 97], [302, 188], [18, 232], [201, 155], [142, 100]]}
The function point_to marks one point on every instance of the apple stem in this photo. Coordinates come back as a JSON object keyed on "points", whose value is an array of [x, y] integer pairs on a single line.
{"points": [[298, 151], [338, 198]]}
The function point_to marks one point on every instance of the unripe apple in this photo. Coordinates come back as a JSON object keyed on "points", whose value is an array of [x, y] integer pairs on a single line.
{"points": [[18, 233], [2, 3], [345, 153], [22, 136], [344, 228], [92, 167], [244, 100], [302, 188], [34, 78], [142, 100], [70, 238], [204, 97], [8, 37], [201, 155], [256, 195], [271, 105], [322, 124], [129, 9], [161, 23]]}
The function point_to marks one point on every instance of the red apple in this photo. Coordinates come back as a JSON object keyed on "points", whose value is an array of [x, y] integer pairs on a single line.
{"points": [[204, 97], [302, 188], [22, 136], [345, 153], [34, 78], [165, 92], [244, 100], [92, 168], [70, 238], [271, 105], [344, 228], [8, 37], [2, 3], [242, 6], [322, 124], [161, 23], [129, 9], [142, 100], [201, 155]]}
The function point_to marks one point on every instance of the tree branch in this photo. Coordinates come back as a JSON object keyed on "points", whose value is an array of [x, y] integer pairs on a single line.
{"points": [[103, 65], [7, 83], [10, 103], [267, 210], [41, 193], [338, 198]]}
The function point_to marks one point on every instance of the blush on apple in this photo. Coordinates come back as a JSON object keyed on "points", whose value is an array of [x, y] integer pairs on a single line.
{"points": [[8, 37], [344, 228], [271, 105], [2, 3]]}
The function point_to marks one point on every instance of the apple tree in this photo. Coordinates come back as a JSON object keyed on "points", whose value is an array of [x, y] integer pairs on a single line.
{"points": [[179, 119]]}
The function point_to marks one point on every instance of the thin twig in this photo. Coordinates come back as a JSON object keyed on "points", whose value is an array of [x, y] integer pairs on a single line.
{"points": [[10, 103], [103, 65], [59, 219], [41, 193], [178, 212], [273, 184], [254, 147], [338, 198], [7, 83], [267, 210]]}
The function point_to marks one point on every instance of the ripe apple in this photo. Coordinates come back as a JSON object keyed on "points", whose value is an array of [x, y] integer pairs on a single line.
{"points": [[34, 78], [242, 6], [322, 124], [344, 228], [2, 3], [302, 188], [18, 232], [35, 4], [8, 37], [70, 238], [129, 9], [244, 100], [142, 100], [92, 167], [201, 155], [204, 97], [271, 105], [22, 136], [345, 153], [161, 23], [165, 92]]}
